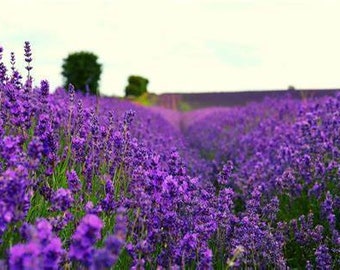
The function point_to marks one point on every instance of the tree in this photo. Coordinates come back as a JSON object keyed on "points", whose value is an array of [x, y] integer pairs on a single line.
{"points": [[83, 71], [137, 86], [291, 88]]}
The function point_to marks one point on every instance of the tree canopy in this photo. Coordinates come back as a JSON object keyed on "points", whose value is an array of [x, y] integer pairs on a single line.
{"points": [[83, 71], [137, 86]]}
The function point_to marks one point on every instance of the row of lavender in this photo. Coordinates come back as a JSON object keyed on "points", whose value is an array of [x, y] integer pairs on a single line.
{"points": [[96, 183], [285, 160], [84, 185]]}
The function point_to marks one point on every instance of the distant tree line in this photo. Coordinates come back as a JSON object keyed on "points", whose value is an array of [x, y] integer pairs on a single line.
{"points": [[83, 71]]}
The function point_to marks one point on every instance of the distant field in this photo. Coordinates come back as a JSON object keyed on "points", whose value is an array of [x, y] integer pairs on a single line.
{"points": [[189, 101]]}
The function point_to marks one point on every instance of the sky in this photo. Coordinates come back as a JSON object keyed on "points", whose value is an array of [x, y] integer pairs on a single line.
{"points": [[181, 45]]}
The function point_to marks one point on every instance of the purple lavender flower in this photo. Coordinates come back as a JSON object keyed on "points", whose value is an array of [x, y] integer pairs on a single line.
{"points": [[138, 264], [315, 190], [85, 236], [35, 151], [323, 258], [28, 60], [14, 195], [28, 54], [206, 259], [3, 68], [106, 257], [271, 209], [74, 183], [91, 209], [71, 93], [25, 256], [51, 246], [42, 251], [44, 89], [128, 116], [327, 210], [223, 177], [102, 259], [121, 225], [327, 205], [309, 266], [59, 222], [62, 199], [317, 233], [109, 187], [12, 62]]}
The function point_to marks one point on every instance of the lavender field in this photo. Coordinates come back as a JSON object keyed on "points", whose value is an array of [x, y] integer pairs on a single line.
{"points": [[102, 183]]}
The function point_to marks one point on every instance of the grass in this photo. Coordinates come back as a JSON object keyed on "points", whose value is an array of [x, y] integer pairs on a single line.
{"points": [[146, 99]]}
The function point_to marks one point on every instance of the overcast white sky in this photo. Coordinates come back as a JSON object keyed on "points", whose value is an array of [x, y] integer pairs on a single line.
{"points": [[182, 45]]}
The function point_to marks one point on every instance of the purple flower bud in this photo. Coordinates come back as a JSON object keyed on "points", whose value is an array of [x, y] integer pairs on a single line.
{"points": [[25, 256], [102, 259], [206, 259], [71, 93], [323, 258], [12, 61], [109, 187], [327, 209], [225, 174], [62, 199], [43, 250], [74, 183], [317, 233], [85, 236], [128, 117], [89, 207], [59, 222], [35, 149], [44, 89], [28, 58], [27, 49], [315, 190]]}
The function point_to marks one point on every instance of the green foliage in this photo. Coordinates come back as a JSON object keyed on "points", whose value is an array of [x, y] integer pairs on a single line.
{"points": [[137, 86], [184, 106], [146, 99], [82, 70], [293, 208]]}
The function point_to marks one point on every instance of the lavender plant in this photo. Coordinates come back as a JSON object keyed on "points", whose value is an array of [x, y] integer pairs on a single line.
{"points": [[91, 183]]}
